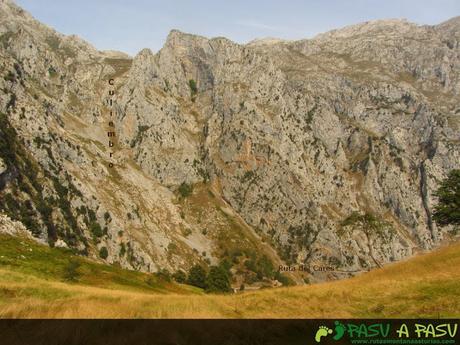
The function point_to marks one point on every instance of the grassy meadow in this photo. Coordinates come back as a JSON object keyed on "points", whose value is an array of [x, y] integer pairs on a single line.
{"points": [[32, 286]]}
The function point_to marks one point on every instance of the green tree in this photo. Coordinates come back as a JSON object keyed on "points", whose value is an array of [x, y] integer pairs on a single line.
{"points": [[103, 253], [164, 275], [185, 189], [71, 270], [193, 89], [218, 280], [447, 211], [96, 229], [197, 276], [227, 266], [368, 223], [265, 268], [180, 277]]}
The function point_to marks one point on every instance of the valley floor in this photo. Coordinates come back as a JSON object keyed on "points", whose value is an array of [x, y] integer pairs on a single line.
{"points": [[427, 285]]}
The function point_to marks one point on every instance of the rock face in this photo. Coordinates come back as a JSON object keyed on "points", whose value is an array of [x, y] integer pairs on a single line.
{"points": [[10, 227], [321, 152]]}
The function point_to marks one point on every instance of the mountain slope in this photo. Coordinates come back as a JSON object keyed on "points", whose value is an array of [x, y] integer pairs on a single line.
{"points": [[34, 289], [284, 145]]}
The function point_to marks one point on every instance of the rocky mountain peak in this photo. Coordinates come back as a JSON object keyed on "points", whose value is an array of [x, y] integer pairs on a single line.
{"points": [[179, 39]]}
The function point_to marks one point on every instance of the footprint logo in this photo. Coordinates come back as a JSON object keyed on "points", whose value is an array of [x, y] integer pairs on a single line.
{"points": [[339, 330], [322, 332]]}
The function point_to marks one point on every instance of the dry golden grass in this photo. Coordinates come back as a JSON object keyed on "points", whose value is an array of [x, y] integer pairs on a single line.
{"points": [[425, 286]]}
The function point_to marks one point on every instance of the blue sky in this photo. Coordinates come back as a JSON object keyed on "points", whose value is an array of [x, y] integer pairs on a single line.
{"points": [[130, 25]]}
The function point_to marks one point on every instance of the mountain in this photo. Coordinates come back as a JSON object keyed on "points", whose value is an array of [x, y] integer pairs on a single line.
{"points": [[322, 153]]}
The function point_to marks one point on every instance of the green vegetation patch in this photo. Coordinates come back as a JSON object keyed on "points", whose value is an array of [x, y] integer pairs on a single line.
{"points": [[59, 264], [185, 189], [193, 89]]}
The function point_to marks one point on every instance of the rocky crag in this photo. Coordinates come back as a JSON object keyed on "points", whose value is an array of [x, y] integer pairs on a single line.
{"points": [[322, 152]]}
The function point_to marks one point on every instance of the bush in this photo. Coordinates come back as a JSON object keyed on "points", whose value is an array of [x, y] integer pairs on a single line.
{"points": [[218, 280], [185, 189], [91, 214], [164, 275], [193, 89], [447, 211], [150, 280], [180, 277], [226, 265], [96, 229], [283, 279], [197, 277], [122, 249], [71, 270], [103, 253], [265, 267]]}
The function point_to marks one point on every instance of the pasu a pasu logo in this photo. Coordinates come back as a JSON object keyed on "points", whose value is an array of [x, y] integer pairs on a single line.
{"points": [[384, 330]]}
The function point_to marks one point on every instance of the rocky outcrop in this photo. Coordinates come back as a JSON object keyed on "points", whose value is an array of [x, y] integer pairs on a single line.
{"points": [[14, 228], [283, 142]]}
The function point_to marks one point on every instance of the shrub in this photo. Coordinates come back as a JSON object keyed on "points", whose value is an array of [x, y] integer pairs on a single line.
{"points": [[103, 253], [283, 279], [164, 275], [180, 277], [218, 280], [185, 189], [172, 247], [150, 280], [122, 249], [71, 270], [91, 214], [193, 89], [265, 267], [96, 229], [197, 277], [226, 265]]}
